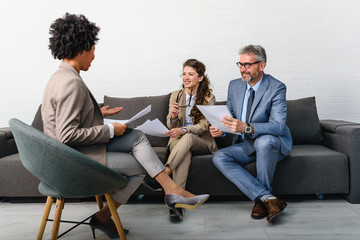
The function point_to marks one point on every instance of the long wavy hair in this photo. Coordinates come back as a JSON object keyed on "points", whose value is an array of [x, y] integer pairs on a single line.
{"points": [[203, 90]]}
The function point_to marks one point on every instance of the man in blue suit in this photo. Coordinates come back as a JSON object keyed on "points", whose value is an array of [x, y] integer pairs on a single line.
{"points": [[257, 103]]}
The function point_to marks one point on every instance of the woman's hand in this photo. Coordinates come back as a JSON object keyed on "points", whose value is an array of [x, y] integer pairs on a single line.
{"points": [[215, 132], [174, 111], [106, 111], [175, 132], [119, 128]]}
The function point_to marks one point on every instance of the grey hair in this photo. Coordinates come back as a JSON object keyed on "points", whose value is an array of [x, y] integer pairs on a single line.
{"points": [[258, 50]]}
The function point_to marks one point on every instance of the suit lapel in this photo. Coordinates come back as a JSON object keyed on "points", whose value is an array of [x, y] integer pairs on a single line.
{"points": [[240, 98], [182, 110], [259, 94], [96, 105]]}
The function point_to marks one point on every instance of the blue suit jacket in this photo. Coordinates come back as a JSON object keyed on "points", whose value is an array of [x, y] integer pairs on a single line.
{"points": [[268, 112]]}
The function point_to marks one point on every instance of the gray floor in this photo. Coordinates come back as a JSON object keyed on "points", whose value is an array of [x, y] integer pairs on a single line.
{"points": [[304, 218]]}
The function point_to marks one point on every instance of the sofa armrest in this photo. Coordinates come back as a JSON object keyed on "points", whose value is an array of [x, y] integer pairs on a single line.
{"points": [[7, 142], [343, 136]]}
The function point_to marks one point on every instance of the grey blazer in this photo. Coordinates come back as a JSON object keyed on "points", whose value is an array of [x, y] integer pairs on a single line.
{"points": [[71, 114], [268, 112]]}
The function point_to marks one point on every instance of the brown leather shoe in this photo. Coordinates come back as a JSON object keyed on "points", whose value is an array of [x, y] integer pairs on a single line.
{"points": [[259, 210], [274, 207]]}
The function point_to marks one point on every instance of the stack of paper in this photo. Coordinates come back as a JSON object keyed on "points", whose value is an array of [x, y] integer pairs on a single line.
{"points": [[214, 113], [138, 115], [153, 128]]}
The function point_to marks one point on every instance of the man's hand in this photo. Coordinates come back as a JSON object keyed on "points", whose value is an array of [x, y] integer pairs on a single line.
{"points": [[119, 128], [233, 124], [215, 132], [106, 111], [175, 132]]}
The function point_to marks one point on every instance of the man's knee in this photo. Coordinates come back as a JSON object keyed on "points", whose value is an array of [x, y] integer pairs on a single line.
{"points": [[218, 157], [266, 142]]}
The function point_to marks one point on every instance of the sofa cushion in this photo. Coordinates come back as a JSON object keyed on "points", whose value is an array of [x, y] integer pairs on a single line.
{"points": [[312, 169], [159, 109], [303, 121], [37, 122]]}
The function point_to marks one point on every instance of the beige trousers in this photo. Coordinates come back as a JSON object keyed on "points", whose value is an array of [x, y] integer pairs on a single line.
{"points": [[181, 151]]}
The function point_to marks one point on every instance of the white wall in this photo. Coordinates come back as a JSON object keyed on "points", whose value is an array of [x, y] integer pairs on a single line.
{"points": [[312, 46]]}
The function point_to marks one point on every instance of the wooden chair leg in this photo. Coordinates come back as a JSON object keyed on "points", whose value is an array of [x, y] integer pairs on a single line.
{"points": [[99, 201], [57, 218], [45, 217], [115, 216]]}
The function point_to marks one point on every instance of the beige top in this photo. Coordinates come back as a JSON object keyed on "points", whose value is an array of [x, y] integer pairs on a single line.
{"points": [[71, 114], [201, 128]]}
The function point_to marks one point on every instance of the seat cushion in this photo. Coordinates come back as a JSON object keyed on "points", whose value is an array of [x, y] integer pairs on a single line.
{"points": [[312, 169], [15, 180]]}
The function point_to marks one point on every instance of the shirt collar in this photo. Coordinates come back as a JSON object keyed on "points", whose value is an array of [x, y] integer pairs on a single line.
{"points": [[257, 85]]}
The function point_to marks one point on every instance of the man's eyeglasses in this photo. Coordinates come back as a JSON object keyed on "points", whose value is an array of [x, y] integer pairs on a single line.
{"points": [[246, 65], [177, 98]]}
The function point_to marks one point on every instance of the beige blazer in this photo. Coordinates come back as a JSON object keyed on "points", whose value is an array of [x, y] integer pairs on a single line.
{"points": [[200, 129], [71, 114]]}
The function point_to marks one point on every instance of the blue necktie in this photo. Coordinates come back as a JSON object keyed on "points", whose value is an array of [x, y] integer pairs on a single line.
{"points": [[248, 145]]}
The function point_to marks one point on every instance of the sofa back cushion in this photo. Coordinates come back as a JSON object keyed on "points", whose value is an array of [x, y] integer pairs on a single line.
{"points": [[303, 121], [159, 109], [302, 117], [37, 121]]}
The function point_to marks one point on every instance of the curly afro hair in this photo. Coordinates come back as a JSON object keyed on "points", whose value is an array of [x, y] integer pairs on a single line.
{"points": [[72, 34]]}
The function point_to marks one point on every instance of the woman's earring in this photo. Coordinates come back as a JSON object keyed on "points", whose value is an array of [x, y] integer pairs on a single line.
{"points": [[82, 54]]}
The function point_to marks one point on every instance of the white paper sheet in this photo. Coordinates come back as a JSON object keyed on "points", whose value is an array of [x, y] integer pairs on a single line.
{"points": [[153, 128], [136, 116], [214, 113]]}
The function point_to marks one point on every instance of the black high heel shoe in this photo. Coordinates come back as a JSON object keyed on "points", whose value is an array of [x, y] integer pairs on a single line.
{"points": [[174, 217], [96, 224], [152, 184], [174, 201]]}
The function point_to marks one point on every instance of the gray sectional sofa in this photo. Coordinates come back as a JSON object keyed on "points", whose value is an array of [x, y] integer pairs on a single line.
{"points": [[325, 158]]}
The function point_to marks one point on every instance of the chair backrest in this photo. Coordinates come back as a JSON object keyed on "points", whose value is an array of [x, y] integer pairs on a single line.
{"points": [[66, 171]]}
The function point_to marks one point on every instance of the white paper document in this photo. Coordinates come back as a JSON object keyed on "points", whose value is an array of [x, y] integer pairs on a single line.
{"points": [[214, 113], [153, 128], [138, 115]]}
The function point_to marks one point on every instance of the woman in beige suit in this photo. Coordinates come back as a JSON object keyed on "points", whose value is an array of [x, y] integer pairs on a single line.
{"points": [[71, 115], [189, 130]]}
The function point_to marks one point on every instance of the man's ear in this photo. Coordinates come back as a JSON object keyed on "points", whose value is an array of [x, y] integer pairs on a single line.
{"points": [[262, 66]]}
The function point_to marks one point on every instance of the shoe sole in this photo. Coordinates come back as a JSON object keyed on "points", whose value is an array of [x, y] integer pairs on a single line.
{"points": [[189, 207], [277, 214], [258, 217]]}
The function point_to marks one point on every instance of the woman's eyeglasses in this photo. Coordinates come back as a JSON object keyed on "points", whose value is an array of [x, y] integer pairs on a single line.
{"points": [[177, 99]]}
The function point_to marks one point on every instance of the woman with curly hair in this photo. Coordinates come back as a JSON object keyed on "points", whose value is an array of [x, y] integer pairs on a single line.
{"points": [[71, 115], [189, 130]]}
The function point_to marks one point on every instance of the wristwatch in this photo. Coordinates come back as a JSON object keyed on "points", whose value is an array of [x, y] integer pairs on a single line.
{"points": [[248, 128]]}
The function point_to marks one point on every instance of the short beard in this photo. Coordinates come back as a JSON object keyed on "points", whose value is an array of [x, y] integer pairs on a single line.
{"points": [[250, 78]]}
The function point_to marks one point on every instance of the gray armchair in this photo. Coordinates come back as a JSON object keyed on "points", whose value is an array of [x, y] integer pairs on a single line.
{"points": [[64, 173]]}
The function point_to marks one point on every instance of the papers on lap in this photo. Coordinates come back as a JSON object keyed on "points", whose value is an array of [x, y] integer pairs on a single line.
{"points": [[214, 113], [153, 128]]}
